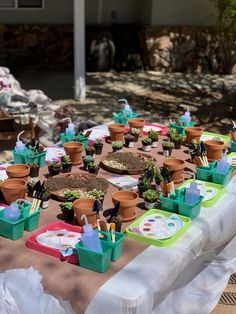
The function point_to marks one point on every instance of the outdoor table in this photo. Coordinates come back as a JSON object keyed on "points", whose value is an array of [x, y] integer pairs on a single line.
{"points": [[185, 278]]}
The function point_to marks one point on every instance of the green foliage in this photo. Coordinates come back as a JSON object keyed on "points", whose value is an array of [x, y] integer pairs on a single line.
{"points": [[153, 135], [226, 16], [144, 182], [175, 137], [166, 144], [147, 141], [117, 144], [93, 165], [65, 160], [158, 176], [55, 165], [70, 196], [135, 131], [150, 196], [97, 194], [66, 205]]}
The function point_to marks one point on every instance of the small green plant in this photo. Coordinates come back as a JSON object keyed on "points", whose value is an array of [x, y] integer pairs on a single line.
{"points": [[90, 149], [97, 194], [153, 135], [93, 165], [55, 165], [70, 196], [150, 196], [158, 176], [135, 131], [175, 137], [144, 182], [117, 145], [167, 145], [88, 158], [150, 168], [98, 141], [66, 205], [146, 141], [65, 160], [46, 195]]}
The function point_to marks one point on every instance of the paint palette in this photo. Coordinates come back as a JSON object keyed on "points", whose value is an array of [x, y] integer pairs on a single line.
{"points": [[232, 159], [158, 228], [212, 192], [59, 239], [54, 239], [206, 136]]}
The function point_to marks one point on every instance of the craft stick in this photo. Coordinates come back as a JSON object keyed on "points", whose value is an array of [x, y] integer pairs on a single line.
{"points": [[198, 162], [99, 228]]}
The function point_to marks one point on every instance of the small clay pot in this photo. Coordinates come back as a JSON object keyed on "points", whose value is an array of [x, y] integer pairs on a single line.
{"points": [[137, 123], [93, 170], [116, 131], [177, 165], [18, 171], [84, 206], [214, 149], [13, 189], [193, 133], [74, 150], [128, 201], [53, 172]]}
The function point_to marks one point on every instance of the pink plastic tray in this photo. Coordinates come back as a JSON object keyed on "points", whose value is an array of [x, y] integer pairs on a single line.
{"points": [[57, 225], [162, 129]]}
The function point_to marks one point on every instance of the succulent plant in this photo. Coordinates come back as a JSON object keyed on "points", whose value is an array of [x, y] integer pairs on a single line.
{"points": [[150, 196], [66, 205], [146, 141], [93, 165], [153, 135], [167, 145], [135, 131], [117, 144], [97, 194], [175, 137], [56, 165], [65, 160], [70, 196]]}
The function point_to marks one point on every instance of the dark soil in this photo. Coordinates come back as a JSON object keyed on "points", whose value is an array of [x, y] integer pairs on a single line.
{"points": [[68, 181], [130, 160]]}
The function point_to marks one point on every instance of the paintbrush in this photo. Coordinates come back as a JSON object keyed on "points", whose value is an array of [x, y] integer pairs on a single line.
{"points": [[203, 154], [97, 207]]}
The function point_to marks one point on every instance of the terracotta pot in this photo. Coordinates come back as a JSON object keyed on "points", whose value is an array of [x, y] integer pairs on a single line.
{"points": [[214, 149], [13, 189], [18, 171], [177, 165], [193, 133], [128, 201], [137, 123], [74, 150], [116, 131], [84, 206]]}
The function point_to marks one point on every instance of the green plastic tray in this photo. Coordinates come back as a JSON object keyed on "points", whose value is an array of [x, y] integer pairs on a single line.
{"points": [[81, 139], [209, 174], [31, 221], [117, 247], [92, 260], [160, 243], [210, 136], [176, 204], [211, 202], [233, 146], [233, 156], [11, 229], [24, 159], [120, 118], [180, 129]]}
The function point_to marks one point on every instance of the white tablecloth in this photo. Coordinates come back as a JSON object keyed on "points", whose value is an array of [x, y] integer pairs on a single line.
{"points": [[187, 278]]}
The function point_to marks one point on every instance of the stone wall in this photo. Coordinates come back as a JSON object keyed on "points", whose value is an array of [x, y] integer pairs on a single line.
{"points": [[188, 49], [120, 47]]}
